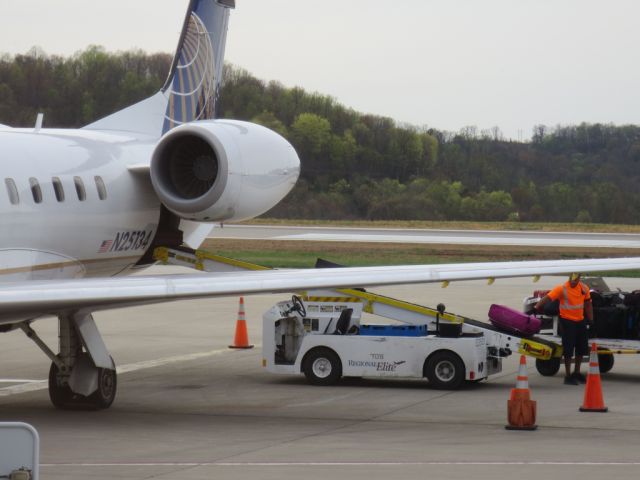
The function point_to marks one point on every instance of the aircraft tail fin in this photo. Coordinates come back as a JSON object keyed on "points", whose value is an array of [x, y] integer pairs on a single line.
{"points": [[191, 90]]}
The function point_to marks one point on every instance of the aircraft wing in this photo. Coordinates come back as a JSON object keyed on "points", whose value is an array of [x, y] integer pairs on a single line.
{"points": [[22, 300]]}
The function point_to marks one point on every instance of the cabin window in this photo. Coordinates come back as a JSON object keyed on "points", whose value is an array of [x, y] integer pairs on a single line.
{"points": [[82, 193], [57, 188], [102, 189], [12, 190], [36, 191]]}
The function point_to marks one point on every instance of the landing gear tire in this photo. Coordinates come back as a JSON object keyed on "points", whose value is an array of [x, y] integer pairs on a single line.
{"points": [[444, 370], [104, 396], [61, 395], [605, 361], [322, 367], [548, 368]]}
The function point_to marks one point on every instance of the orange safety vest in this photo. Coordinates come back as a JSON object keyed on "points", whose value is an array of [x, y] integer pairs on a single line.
{"points": [[571, 300]]}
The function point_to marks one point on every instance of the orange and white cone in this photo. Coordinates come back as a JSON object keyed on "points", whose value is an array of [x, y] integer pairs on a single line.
{"points": [[593, 401], [241, 339], [521, 410]]}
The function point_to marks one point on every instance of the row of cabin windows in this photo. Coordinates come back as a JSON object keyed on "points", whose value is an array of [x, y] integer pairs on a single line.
{"points": [[58, 189]]}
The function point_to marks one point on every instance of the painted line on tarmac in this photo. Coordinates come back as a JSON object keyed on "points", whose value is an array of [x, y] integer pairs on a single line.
{"points": [[132, 367], [23, 388], [35, 385], [17, 380], [332, 464]]}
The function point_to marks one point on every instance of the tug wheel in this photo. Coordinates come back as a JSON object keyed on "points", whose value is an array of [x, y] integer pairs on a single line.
{"points": [[548, 368], [444, 370], [322, 366]]}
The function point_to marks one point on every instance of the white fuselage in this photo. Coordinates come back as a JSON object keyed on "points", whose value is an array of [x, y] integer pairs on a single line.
{"points": [[63, 223]]}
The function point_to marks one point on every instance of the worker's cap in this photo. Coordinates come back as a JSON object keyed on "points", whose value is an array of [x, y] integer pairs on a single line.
{"points": [[575, 276]]}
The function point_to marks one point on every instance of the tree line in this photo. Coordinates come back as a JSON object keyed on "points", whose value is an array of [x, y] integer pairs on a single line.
{"points": [[357, 166]]}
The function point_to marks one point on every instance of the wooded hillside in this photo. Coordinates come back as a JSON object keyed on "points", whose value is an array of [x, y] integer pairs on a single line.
{"points": [[357, 166]]}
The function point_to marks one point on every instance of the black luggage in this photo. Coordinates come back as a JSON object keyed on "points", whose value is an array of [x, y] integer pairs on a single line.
{"points": [[632, 299], [606, 299], [630, 324], [611, 321]]}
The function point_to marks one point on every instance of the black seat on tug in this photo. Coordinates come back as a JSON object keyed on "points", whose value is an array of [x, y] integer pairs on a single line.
{"points": [[343, 322]]}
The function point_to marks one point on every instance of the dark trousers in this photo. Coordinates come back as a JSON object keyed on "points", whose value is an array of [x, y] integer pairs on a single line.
{"points": [[575, 337]]}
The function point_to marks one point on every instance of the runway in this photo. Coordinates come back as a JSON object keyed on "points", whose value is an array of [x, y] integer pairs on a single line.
{"points": [[188, 407], [457, 237]]}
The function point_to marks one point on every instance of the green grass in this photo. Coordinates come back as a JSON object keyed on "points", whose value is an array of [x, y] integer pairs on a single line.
{"points": [[620, 273], [288, 259], [300, 254], [293, 259]]}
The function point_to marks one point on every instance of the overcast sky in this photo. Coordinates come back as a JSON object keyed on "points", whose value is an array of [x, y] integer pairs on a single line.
{"points": [[441, 63]]}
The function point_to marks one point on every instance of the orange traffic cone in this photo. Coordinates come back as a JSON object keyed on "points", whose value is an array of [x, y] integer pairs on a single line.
{"points": [[241, 339], [521, 410], [593, 401]]}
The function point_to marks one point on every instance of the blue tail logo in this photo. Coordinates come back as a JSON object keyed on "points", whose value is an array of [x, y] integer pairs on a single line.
{"points": [[194, 82]]}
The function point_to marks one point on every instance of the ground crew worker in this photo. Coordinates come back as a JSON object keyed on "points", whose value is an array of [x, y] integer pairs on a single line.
{"points": [[575, 304]]}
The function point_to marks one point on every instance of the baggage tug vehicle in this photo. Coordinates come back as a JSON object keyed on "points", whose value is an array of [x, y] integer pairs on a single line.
{"points": [[321, 335]]}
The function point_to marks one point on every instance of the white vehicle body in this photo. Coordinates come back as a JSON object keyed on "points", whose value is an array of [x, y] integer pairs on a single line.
{"points": [[294, 343]]}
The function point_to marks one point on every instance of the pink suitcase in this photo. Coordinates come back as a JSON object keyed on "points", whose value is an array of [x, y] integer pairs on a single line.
{"points": [[514, 321]]}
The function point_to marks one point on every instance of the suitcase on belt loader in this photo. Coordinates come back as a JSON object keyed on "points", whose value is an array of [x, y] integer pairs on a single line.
{"points": [[514, 321]]}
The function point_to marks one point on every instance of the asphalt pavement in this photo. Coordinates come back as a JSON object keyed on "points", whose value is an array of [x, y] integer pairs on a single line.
{"points": [[189, 407]]}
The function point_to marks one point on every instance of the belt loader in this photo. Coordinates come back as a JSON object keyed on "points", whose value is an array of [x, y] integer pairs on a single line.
{"points": [[322, 334]]}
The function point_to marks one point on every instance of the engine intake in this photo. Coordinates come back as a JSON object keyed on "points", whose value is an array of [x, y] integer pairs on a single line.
{"points": [[191, 166], [222, 170]]}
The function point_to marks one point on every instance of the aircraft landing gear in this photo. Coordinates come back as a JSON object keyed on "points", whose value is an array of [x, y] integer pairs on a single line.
{"points": [[83, 374], [64, 398]]}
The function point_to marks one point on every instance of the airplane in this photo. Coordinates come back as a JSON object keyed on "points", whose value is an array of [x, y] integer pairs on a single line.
{"points": [[83, 208]]}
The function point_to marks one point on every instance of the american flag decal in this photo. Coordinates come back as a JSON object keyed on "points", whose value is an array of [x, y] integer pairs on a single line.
{"points": [[106, 245]]}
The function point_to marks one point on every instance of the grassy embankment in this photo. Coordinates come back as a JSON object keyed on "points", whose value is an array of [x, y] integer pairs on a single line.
{"points": [[303, 254]]}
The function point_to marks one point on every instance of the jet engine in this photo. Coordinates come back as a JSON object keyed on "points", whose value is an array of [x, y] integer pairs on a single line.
{"points": [[222, 170]]}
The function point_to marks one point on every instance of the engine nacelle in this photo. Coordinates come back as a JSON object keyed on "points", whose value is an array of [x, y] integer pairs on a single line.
{"points": [[222, 170]]}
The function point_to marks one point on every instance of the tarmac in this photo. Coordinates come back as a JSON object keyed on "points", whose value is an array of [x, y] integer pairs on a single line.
{"points": [[426, 236], [189, 407]]}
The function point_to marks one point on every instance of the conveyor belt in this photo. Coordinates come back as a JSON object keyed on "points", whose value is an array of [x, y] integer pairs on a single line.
{"points": [[536, 346], [493, 328]]}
